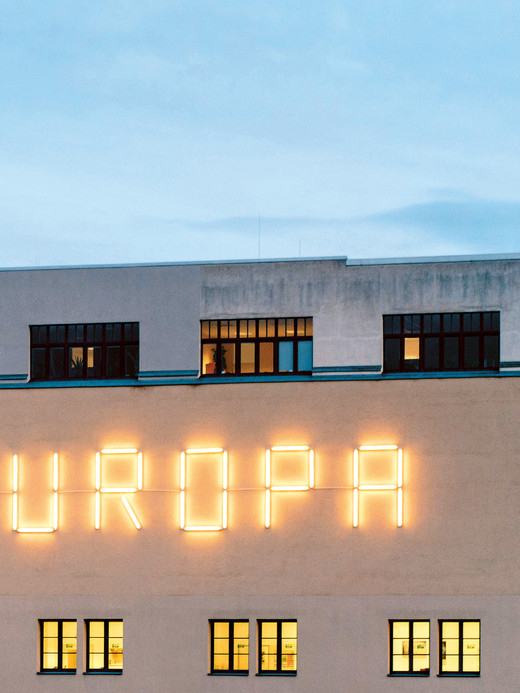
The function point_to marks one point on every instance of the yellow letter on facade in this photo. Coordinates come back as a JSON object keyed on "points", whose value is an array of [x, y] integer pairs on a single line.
{"points": [[134, 456], [55, 481], [202, 454], [397, 487], [285, 487]]}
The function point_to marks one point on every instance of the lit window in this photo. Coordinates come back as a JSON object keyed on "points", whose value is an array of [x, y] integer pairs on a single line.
{"points": [[459, 643], [265, 346], [104, 646], [409, 648], [58, 646], [277, 648], [85, 351], [442, 342], [229, 642]]}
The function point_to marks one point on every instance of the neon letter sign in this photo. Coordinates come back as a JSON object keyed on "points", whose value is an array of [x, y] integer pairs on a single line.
{"points": [[132, 489], [269, 487], [183, 499], [379, 487], [36, 530]]}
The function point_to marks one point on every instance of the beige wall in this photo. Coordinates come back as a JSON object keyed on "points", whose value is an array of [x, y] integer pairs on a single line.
{"points": [[455, 557]]}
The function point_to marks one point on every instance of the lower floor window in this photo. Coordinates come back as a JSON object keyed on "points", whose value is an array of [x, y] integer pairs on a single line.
{"points": [[229, 647], [104, 646], [409, 648], [58, 646], [459, 648], [277, 650]]}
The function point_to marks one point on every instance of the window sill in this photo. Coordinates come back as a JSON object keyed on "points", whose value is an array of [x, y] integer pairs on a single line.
{"points": [[228, 673], [103, 673], [59, 672], [276, 673], [404, 675], [455, 675]]}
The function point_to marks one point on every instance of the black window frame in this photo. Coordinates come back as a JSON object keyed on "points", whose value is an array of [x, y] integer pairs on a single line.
{"points": [[279, 671], [445, 328], [109, 337], [106, 653], [231, 671], [59, 669], [410, 672], [254, 326], [460, 673]]}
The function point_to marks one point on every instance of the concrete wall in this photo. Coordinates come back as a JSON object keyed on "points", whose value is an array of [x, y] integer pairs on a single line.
{"points": [[455, 557], [346, 302]]}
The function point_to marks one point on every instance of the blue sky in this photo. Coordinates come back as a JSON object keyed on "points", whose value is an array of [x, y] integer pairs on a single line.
{"points": [[163, 130]]}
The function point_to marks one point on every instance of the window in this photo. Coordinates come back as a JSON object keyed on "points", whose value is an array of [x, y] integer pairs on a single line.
{"points": [[229, 647], [459, 648], [409, 648], [58, 646], [441, 342], [85, 351], [277, 650], [265, 346], [104, 646]]}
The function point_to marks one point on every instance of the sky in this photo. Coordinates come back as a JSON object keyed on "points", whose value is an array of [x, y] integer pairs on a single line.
{"points": [[191, 130]]}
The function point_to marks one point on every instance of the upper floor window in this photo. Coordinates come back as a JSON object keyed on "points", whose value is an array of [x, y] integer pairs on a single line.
{"points": [[441, 342], [229, 647], [459, 643], [58, 646], [409, 648], [277, 647], [259, 346], [104, 646], [85, 351]]}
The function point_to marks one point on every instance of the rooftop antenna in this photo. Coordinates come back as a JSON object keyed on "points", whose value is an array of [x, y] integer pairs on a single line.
{"points": [[258, 236]]}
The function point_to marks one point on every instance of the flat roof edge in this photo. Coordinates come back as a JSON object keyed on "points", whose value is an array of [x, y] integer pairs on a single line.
{"points": [[349, 262]]}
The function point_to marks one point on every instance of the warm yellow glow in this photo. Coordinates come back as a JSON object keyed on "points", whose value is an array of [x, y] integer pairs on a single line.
{"points": [[378, 487], [203, 451], [15, 473], [118, 490], [182, 511], [285, 487], [140, 471], [411, 348], [97, 512], [129, 510], [98, 471], [183, 499], [119, 451], [289, 448], [55, 477]]}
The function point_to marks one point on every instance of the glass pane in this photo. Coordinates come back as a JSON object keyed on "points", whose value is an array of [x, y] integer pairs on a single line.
{"points": [[227, 357], [431, 353], [61, 334], [290, 327], [221, 629], [285, 357], [471, 356], [281, 327], [96, 661], [289, 629], [241, 661], [308, 327], [209, 359], [301, 327], [109, 332], [288, 661], [131, 361], [213, 329], [421, 646], [115, 660], [400, 663], [490, 352], [241, 630], [90, 333], [98, 333], [243, 328], [421, 663], [220, 662], [50, 644], [247, 357], [204, 329], [411, 349], [495, 321], [271, 328], [396, 324], [135, 331], [407, 324], [451, 352], [450, 629], [113, 362], [427, 323], [251, 328], [470, 646], [486, 322], [232, 328], [401, 646], [401, 629], [436, 323], [224, 329], [75, 362], [269, 629], [50, 661], [471, 663], [446, 322], [221, 646], [71, 332], [35, 336], [57, 363], [475, 322], [50, 629], [96, 644], [93, 362], [305, 356], [421, 629], [97, 629], [266, 364], [450, 663], [115, 629], [68, 660], [53, 334], [43, 333], [241, 645], [392, 354], [79, 333], [38, 363], [117, 334], [471, 629], [128, 331], [262, 328], [268, 659], [70, 629]]}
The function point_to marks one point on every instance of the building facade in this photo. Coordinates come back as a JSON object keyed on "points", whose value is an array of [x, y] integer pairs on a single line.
{"points": [[261, 476]]}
